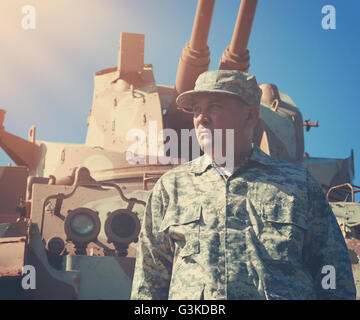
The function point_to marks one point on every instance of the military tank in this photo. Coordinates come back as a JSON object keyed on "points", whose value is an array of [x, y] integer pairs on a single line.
{"points": [[70, 213]]}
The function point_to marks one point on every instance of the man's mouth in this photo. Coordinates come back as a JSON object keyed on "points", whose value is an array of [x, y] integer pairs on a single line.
{"points": [[204, 132]]}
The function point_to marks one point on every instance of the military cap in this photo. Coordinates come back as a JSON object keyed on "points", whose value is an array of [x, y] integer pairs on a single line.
{"points": [[230, 82]]}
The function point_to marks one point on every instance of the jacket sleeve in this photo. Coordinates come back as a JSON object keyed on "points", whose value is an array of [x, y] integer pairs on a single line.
{"points": [[326, 251], [154, 256]]}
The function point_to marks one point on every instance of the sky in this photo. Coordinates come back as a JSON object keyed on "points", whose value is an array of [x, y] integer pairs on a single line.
{"points": [[47, 73]]}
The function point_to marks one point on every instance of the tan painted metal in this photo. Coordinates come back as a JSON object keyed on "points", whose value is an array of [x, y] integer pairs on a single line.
{"points": [[12, 190], [236, 55], [13, 241], [13, 248], [195, 57], [22, 152]]}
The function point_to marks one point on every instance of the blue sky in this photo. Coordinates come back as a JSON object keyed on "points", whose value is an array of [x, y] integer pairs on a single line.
{"points": [[46, 76]]}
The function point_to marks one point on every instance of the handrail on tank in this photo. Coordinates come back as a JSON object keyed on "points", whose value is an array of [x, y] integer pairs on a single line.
{"points": [[353, 189], [236, 55], [195, 57]]}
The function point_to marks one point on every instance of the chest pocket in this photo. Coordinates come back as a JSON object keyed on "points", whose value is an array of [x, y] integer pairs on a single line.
{"points": [[283, 233], [183, 227]]}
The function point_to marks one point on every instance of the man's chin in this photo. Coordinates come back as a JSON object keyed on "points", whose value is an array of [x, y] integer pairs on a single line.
{"points": [[206, 147]]}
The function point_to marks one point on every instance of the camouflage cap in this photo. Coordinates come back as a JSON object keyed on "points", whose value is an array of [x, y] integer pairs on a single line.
{"points": [[229, 82]]}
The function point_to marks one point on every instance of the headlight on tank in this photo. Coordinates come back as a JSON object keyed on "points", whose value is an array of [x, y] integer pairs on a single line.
{"points": [[122, 226], [82, 225]]}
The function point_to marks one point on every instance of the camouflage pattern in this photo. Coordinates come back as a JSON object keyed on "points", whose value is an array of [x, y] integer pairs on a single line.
{"points": [[231, 82], [264, 232]]}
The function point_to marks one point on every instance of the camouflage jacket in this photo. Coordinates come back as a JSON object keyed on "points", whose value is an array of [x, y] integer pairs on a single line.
{"points": [[264, 232]]}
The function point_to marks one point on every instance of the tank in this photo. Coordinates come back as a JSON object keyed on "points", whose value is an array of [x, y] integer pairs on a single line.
{"points": [[71, 213]]}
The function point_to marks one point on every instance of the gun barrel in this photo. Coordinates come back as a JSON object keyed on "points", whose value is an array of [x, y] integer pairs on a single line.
{"points": [[21, 151], [201, 27], [195, 57], [236, 55], [243, 26]]}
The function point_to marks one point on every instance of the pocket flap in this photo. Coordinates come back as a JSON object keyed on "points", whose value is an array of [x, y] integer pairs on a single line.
{"points": [[288, 215], [180, 216]]}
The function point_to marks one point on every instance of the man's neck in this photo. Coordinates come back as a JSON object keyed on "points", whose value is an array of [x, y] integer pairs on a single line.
{"points": [[239, 157]]}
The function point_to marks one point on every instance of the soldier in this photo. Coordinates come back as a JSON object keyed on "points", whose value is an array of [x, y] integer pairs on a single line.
{"points": [[259, 230]]}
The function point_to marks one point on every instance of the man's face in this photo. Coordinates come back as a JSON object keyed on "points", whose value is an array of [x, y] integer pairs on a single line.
{"points": [[219, 111]]}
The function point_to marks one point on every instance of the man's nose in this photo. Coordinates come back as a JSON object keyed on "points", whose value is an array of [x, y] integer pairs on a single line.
{"points": [[203, 118]]}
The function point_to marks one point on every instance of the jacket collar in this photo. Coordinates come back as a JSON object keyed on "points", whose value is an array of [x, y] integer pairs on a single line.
{"points": [[201, 164]]}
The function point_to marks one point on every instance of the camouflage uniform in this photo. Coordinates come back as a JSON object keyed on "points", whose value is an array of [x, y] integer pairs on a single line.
{"points": [[264, 232]]}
